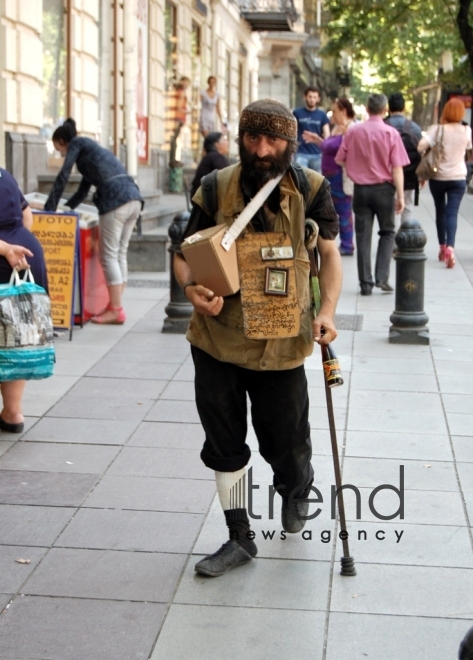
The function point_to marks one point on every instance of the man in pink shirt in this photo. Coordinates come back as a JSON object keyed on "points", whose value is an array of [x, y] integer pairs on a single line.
{"points": [[374, 156]]}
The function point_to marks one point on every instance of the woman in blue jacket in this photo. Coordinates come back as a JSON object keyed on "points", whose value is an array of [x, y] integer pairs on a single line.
{"points": [[117, 198]]}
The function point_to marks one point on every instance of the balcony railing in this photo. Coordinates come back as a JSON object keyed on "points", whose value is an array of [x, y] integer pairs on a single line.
{"points": [[269, 15]]}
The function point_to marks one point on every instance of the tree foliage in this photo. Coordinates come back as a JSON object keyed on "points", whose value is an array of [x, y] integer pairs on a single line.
{"points": [[402, 39]]}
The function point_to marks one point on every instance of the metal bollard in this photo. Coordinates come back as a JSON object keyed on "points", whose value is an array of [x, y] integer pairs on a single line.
{"points": [[179, 309], [409, 321]]}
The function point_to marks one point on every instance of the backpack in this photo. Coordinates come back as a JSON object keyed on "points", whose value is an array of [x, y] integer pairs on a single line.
{"points": [[410, 142], [208, 184]]}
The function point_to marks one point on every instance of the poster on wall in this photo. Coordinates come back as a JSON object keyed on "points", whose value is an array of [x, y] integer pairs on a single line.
{"points": [[142, 81]]}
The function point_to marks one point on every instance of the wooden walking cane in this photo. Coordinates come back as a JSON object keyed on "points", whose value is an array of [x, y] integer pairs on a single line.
{"points": [[348, 562]]}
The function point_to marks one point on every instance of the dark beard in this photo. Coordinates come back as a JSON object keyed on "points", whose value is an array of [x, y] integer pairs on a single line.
{"points": [[257, 171]]}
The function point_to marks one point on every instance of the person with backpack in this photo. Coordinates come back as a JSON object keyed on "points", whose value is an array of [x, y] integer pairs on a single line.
{"points": [[410, 133], [230, 364]]}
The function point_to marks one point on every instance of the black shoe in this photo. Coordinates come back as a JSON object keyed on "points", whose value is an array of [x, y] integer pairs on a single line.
{"points": [[291, 515], [11, 428], [384, 286], [366, 289], [231, 554]]}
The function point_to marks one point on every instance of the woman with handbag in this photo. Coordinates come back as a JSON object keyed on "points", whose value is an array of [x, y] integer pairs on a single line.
{"points": [[16, 243], [117, 198], [341, 187], [449, 140]]}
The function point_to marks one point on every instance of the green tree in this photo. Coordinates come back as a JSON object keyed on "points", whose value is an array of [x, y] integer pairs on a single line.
{"points": [[402, 40]]}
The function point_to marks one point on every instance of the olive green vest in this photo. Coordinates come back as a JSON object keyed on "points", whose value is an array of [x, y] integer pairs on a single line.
{"points": [[222, 336]]}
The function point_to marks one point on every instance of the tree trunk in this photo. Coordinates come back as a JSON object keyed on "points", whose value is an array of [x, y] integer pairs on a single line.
{"points": [[465, 29]]}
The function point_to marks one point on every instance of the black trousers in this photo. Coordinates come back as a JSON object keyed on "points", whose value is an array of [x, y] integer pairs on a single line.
{"points": [[279, 413]]}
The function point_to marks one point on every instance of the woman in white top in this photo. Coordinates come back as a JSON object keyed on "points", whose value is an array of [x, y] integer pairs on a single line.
{"points": [[449, 183], [210, 100]]}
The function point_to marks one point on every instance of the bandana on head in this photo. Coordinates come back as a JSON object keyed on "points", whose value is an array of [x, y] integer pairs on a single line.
{"points": [[269, 117]]}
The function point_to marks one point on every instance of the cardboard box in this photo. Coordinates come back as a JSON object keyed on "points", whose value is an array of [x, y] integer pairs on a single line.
{"points": [[210, 264]]}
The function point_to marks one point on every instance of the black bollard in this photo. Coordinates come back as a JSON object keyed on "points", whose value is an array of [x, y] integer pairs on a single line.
{"points": [[179, 309], [409, 321]]}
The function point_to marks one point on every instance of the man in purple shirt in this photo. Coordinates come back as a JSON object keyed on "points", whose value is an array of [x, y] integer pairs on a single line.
{"points": [[374, 155]]}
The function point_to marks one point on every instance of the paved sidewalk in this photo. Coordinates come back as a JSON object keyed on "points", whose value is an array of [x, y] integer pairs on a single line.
{"points": [[106, 496]]}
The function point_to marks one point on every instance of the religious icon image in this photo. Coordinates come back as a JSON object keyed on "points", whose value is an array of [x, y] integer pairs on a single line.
{"points": [[276, 281]]}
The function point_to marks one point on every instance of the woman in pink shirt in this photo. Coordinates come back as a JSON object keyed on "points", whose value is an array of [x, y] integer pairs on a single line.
{"points": [[449, 183]]}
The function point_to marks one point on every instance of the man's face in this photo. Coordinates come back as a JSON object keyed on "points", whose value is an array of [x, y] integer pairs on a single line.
{"points": [[263, 157], [222, 145], [311, 100]]}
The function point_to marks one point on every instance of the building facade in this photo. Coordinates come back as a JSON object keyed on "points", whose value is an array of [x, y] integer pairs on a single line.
{"points": [[113, 65]]}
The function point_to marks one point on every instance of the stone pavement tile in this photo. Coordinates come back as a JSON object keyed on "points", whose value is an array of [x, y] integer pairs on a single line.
{"points": [[460, 423], [74, 367], [38, 404], [396, 420], [457, 349], [152, 494], [160, 462], [89, 629], [168, 434], [339, 396], [465, 471], [420, 506], [373, 344], [373, 472], [44, 488], [155, 355], [32, 525], [12, 574], [144, 531], [463, 446], [57, 385], [232, 633], [453, 367], [387, 365], [457, 403], [153, 340], [179, 391], [454, 384], [214, 533], [5, 446], [394, 382], [186, 372], [170, 411], [397, 401], [84, 431], [126, 387], [382, 444], [405, 590], [419, 545], [4, 600], [55, 457], [272, 583], [439, 327], [138, 576], [111, 367], [318, 418], [93, 407], [352, 636]]}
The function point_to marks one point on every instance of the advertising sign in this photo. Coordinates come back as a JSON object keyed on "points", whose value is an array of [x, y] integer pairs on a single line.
{"points": [[57, 233]]}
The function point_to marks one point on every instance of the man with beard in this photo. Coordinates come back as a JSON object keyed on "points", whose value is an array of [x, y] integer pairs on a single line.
{"points": [[311, 120], [228, 365]]}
